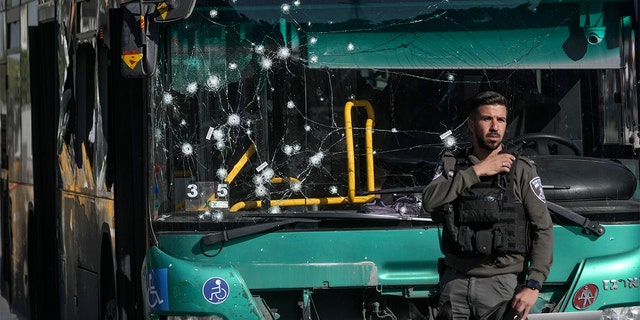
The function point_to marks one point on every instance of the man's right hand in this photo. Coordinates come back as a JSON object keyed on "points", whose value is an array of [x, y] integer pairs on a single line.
{"points": [[494, 164]]}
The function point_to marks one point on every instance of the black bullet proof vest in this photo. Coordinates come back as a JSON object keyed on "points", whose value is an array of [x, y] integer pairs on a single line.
{"points": [[486, 220]]}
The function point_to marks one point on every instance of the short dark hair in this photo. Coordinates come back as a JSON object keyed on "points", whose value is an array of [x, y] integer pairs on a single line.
{"points": [[485, 98]]}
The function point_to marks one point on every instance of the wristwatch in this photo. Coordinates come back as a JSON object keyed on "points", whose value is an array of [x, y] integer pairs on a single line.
{"points": [[533, 284]]}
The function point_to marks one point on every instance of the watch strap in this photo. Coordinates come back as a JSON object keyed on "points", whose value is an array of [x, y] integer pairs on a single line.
{"points": [[533, 284]]}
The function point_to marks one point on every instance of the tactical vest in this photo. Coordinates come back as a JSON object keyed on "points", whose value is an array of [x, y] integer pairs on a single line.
{"points": [[486, 220]]}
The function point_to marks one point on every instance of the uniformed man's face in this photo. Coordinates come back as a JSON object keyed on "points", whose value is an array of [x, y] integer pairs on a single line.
{"points": [[489, 125]]}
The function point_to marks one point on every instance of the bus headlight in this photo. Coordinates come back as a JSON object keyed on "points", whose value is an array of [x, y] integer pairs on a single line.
{"points": [[624, 313]]}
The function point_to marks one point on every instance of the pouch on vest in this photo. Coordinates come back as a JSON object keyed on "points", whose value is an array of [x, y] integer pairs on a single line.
{"points": [[512, 237], [478, 209], [450, 230], [484, 242], [499, 241], [466, 239]]}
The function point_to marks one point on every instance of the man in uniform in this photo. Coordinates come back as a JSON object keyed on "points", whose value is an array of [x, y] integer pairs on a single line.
{"points": [[497, 232]]}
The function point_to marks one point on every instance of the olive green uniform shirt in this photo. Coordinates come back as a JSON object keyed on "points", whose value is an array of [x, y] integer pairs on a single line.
{"points": [[447, 186]]}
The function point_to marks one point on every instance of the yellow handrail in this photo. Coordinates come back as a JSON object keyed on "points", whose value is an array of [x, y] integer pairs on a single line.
{"points": [[238, 166], [352, 198], [289, 203], [351, 167]]}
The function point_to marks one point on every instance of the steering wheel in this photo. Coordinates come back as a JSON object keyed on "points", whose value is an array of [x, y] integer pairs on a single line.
{"points": [[545, 143]]}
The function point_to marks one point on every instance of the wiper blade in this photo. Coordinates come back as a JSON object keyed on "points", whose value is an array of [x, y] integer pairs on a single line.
{"points": [[586, 224], [406, 190], [345, 215], [225, 235]]}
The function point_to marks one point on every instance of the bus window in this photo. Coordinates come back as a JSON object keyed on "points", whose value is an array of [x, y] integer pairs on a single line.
{"points": [[251, 97]]}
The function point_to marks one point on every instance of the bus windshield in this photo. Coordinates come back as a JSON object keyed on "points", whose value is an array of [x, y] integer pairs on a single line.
{"points": [[309, 106]]}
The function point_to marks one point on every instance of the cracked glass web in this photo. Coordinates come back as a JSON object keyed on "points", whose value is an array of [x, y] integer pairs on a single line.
{"points": [[250, 95]]}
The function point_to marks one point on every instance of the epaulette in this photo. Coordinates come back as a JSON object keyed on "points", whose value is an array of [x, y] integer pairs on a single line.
{"points": [[449, 160], [527, 160], [453, 162], [520, 155]]}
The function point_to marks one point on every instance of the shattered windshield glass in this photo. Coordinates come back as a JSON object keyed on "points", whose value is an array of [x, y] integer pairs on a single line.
{"points": [[316, 105]]}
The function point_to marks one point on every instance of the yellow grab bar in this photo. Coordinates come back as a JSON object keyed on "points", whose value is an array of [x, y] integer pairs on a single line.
{"points": [[352, 198], [351, 167], [238, 166], [289, 203]]}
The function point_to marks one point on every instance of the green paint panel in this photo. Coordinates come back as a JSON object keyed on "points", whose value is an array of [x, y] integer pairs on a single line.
{"points": [[398, 261], [190, 291], [314, 259], [541, 48], [571, 247], [606, 282]]}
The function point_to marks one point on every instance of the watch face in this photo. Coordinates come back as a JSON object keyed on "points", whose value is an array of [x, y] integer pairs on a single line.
{"points": [[534, 284]]}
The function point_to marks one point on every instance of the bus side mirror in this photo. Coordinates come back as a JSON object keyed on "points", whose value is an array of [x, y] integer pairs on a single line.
{"points": [[174, 10], [139, 40]]}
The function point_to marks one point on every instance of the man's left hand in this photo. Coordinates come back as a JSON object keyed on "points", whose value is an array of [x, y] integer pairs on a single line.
{"points": [[524, 301]]}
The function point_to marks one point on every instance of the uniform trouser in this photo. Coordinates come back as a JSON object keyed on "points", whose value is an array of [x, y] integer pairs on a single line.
{"points": [[472, 297]]}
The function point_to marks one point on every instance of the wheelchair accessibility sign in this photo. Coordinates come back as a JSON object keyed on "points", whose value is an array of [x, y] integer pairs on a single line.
{"points": [[215, 290], [157, 293]]}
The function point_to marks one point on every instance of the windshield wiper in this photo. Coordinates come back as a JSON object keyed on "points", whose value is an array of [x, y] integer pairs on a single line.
{"points": [[225, 235], [405, 190], [586, 224]]}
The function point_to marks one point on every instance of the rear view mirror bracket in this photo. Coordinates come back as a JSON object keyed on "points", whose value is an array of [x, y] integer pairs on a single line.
{"points": [[140, 21], [174, 10], [139, 40]]}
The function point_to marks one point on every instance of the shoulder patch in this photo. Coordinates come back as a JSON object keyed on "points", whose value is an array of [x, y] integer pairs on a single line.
{"points": [[536, 187]]}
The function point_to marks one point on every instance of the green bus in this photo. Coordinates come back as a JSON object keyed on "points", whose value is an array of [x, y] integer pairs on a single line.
{"points": [[242, 159]]}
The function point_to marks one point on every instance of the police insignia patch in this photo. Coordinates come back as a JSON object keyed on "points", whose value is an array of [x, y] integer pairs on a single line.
{"points": [[536, 187]]}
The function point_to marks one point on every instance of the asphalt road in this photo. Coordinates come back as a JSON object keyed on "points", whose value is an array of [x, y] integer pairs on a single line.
{"points": [[4, 310], [5, 314]]}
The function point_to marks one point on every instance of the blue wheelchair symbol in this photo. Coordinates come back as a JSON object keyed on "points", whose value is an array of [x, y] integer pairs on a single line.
{"points": [[157, 293], [215, 290]]}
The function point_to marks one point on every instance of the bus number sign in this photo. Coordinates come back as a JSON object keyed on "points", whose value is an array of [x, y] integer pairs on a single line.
{"points": [[208, 195]]}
